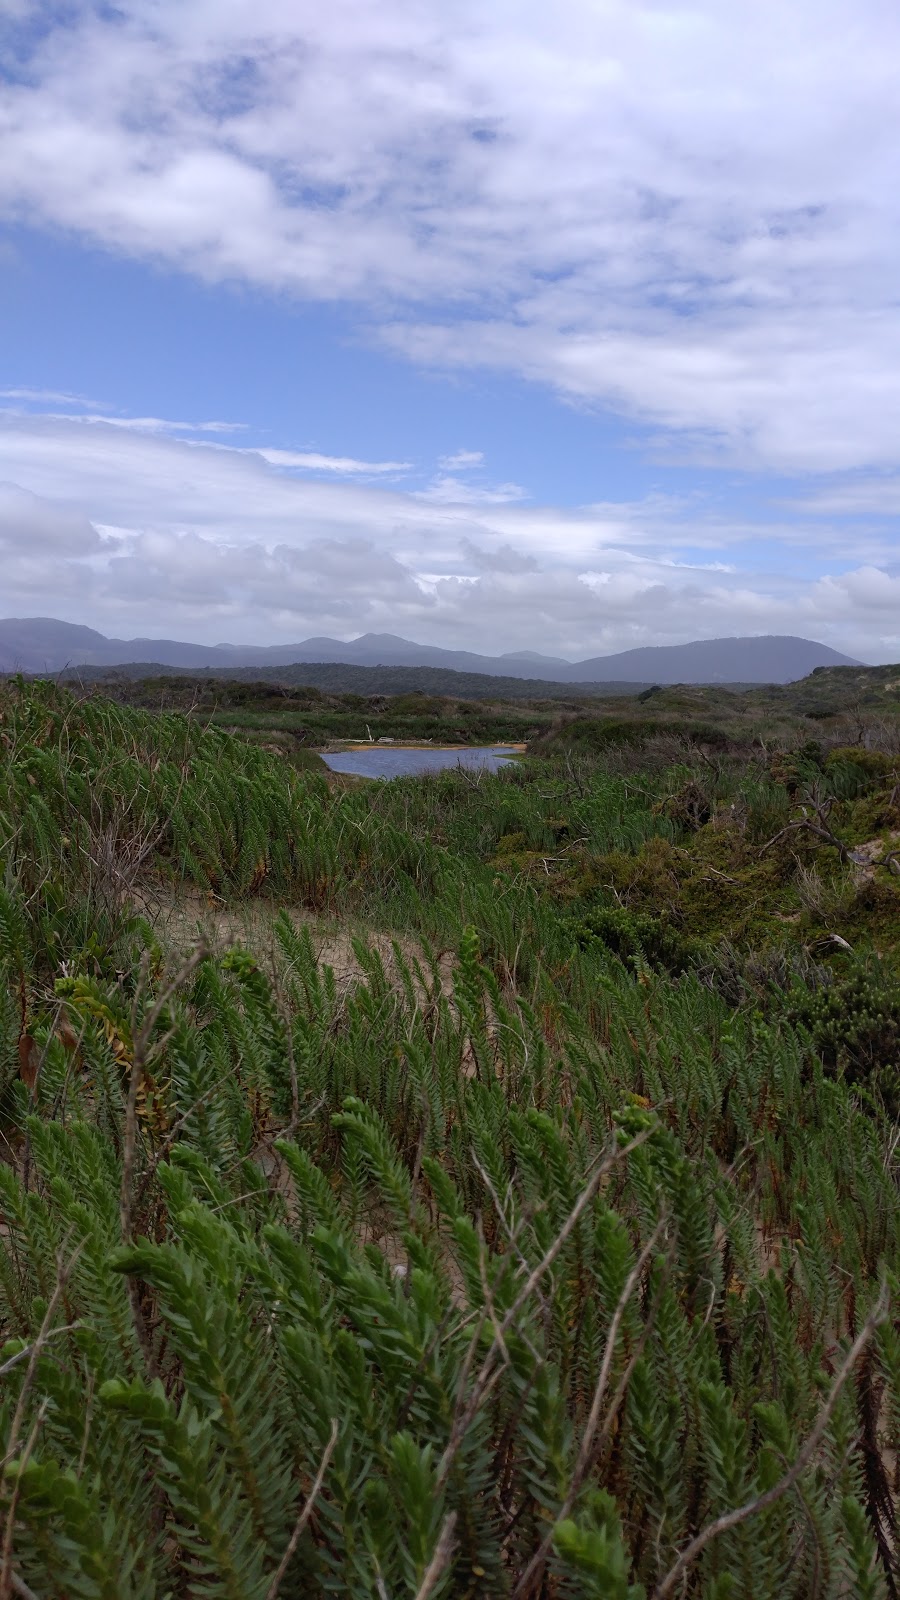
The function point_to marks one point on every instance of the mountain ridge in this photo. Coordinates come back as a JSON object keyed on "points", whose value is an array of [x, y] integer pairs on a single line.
{"points": [[45, 644]]}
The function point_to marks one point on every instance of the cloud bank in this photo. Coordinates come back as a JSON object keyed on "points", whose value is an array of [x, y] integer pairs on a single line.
{"points": [[687, 213], [139, 532]]}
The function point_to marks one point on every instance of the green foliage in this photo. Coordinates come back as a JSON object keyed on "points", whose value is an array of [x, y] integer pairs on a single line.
{"points": [[632, 934], [854, 1022], [533, 1241], [596, 734]]}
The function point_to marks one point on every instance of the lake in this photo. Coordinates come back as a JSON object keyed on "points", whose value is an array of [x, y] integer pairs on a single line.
{"points": [[399, 761]]}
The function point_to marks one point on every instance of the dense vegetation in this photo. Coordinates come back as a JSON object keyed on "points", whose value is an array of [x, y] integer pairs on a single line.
{"points": [[302, 716], [548, 1248], [310, 705], [826, 692], [339, 678]]}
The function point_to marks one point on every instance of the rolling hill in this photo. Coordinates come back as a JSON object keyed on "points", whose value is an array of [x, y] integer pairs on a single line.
{"points": [[44, 644]]}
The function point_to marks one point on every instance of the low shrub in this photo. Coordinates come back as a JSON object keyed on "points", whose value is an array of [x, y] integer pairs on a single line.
{"points": [[853, 1020], [628, 934]]}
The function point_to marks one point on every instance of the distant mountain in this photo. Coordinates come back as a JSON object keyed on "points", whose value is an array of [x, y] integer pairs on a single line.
{"points": [[535, 657], [42, 644], [774, 658]]}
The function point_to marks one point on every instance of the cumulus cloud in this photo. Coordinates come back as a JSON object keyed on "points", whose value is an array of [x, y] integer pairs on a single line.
{"points": [[502, 558], [685, 211], [139, 532]]}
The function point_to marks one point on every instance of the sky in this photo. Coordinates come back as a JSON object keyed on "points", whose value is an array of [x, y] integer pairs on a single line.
{"points": [[501, 327]]}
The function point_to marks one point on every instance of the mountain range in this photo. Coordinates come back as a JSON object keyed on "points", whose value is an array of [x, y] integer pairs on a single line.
{"points": [[43, 644]]}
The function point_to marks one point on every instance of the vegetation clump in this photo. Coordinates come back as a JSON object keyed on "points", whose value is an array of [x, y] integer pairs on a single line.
{"points": [[631, 935], [854, 1022]]}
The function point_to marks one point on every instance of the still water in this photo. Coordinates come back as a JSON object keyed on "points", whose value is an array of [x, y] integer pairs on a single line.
{"points": [[394, 761]]}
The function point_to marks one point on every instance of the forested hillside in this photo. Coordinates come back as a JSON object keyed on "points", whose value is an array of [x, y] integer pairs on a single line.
{"points": [[544, 1244]]}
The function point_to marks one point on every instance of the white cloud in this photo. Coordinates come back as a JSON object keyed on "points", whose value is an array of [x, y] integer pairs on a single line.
{"points": [[859, 497], [134, 424], [52, 397], [41, 529], [683, 210], [462, 460], [161, 424], [145, 533], [869, 588], [342, 466], [447, 490]]}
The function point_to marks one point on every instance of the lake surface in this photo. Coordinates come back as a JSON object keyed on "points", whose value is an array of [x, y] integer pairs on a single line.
{"points": [[395, 761]]}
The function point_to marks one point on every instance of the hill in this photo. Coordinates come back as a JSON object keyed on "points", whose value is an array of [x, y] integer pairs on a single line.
{"points": [[44, 644], [774, 658]]}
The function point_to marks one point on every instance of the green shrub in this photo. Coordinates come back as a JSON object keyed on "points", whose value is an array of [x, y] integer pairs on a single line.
{"points": [[502, 1262], [593, 735], [628, 934], [854, 1022]]}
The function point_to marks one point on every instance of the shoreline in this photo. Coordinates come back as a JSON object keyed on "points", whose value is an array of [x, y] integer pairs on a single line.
{"points": [[342, 746]]}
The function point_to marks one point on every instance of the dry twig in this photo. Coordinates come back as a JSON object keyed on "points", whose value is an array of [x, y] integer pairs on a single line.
{"points": [[587, 1451], [439, 1562], [306, 1513], [489, 1373]]}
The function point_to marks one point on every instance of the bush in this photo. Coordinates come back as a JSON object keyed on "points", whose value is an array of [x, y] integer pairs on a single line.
{"points": [[872, 763], [593, 735], [628, 934], [854, 771], [854, 1023]]}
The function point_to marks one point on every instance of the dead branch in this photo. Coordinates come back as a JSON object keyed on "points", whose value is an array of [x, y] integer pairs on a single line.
{"points": [[440, 1560], [586, 1452], [489, 1371], [305, 1514]]}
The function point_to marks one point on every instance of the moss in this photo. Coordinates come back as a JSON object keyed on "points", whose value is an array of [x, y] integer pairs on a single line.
{"points": [[875, 814], [511, 844], [873, 914], [718, 886]]}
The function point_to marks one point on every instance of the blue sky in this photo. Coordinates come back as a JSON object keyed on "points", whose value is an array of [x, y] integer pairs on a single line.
{"points": [[491, 328]]}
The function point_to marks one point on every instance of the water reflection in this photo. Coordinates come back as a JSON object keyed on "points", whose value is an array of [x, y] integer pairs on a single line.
{"points": [[397, 761]]}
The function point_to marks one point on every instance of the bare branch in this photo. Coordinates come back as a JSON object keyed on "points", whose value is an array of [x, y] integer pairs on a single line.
{"points": [[488, 1373], [63, 1273], [439, 1562], [586, 1452], [20, 1587], [306, 1513], [23, 1355]]}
